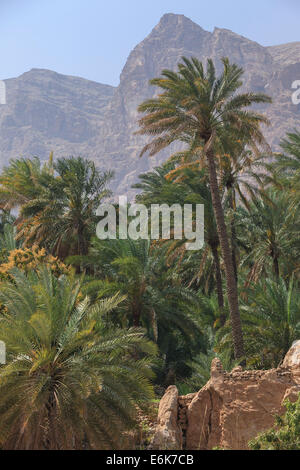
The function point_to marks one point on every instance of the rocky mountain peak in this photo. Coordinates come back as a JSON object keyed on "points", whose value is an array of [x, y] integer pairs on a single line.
{"points": [[172, 19], [48, 111]]}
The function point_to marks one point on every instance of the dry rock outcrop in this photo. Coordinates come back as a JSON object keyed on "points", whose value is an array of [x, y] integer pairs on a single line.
{"points": [[231, 409]]}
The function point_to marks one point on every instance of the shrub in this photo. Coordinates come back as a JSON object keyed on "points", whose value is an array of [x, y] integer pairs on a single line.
{"points": [[28, 259], [285, 435]]}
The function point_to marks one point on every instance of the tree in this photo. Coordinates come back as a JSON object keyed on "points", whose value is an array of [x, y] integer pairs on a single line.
{"points": [[155, 298], [185, 185], [195, 104], [84, 187], [22, 181], [269, 230], [57, 202], [68, 382], [271, 316], [239, 169], [287, 166]]}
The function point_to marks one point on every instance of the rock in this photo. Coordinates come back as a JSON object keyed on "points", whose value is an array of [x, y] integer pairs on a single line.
{"points": [[292, 359], [47, 111], [233, 408], [216, 368], [168, 435], [230, 410]]}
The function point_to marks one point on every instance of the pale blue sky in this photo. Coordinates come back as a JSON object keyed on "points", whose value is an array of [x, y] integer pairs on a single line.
{"points": [[92, 38]]}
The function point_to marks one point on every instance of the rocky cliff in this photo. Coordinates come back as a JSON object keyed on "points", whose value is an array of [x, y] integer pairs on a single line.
{"points": [[47, 111], [230, 410]]}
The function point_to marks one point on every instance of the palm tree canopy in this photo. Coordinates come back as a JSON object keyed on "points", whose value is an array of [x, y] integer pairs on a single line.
{"points": [[68, 382], [195, 103]]}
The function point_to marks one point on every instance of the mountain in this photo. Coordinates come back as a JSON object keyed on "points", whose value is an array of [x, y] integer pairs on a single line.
{"points": [[72, 116], [46, 110]]}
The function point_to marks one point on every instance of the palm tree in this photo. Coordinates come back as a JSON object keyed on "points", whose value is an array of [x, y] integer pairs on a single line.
{"points": [[68, 382], [269, 230], [8, 241], [195, 104], [240, 173], [155, 297], [285, 168], [272, 318], [21, 182], [290, 161], [57, 201], [184, 185], [84, 187]]}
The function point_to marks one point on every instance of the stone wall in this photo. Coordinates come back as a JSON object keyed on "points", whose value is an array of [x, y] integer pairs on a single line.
{"points": [[230, 410]]}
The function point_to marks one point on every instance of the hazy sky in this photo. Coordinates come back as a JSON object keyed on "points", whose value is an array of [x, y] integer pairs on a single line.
{"points": [[92, 38]]}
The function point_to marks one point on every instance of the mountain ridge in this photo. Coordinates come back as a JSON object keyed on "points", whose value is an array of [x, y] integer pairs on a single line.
{"points": [[47, 111]]}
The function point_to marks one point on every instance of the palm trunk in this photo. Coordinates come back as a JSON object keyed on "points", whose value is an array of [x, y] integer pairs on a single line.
{"points": [[231, 283], [215, 253], [136, 316], [82, 246], [233, 236], [276, 267]]}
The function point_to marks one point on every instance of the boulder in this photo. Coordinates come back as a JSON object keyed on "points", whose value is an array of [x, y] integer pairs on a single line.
{"points": [[168, 434], [292, 359]]}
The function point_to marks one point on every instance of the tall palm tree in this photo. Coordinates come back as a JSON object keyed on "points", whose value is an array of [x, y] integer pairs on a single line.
{"points": [[240, 174], [68, 382], [195, 103], [185, 185]]}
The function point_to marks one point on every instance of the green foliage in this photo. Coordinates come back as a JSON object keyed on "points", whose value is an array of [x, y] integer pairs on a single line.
{"points": [[58, 201], [69, 382], [8, 241], [270, 313], [201, 364], [285, 435], [193, 103], [80, 369], [155, 297], [269, 230]]}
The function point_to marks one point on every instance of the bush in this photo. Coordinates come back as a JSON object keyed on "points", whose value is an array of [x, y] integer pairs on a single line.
{"points": [[29, 259], [285, 435]]}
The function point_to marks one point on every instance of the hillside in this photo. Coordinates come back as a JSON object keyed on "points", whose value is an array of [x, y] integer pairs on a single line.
{"points": [[47, 111]]}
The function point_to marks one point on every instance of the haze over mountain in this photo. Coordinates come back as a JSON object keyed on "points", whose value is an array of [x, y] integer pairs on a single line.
{"points": [[47, 111]]}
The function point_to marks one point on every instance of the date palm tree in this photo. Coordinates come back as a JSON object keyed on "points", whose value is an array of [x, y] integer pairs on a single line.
{"points": [[269, 230], [185, 185], [69, 383], [272, 314], [195, 103], [285, 168], [57, 201], [155, 300]]}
